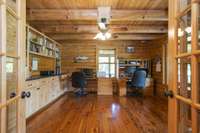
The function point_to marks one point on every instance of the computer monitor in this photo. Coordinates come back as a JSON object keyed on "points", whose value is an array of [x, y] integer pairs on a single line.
{"points": [[130, 70], [89, 73]]}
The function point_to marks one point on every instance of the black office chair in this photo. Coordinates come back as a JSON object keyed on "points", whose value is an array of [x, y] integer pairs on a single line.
{"points": [[79, 82], [138, 81]]}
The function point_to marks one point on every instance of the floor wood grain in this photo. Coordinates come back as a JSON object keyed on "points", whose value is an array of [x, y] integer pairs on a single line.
{"points": [[102, 114]]}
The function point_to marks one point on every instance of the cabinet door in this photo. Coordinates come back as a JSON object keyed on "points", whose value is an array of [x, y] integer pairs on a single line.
{"points": [[30, 102]]}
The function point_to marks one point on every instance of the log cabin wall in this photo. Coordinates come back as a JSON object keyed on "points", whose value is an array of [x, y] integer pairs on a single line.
{"points": [[157, 54], [70, 50], [148, 49], [44, 64]]}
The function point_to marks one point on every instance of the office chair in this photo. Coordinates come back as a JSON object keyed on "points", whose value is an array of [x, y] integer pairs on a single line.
{"points": [[138, 81], [79, 82]]}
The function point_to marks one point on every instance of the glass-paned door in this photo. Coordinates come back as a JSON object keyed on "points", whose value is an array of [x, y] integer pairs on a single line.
{"points": [[107, 63], [184, 107], [12, 53]]}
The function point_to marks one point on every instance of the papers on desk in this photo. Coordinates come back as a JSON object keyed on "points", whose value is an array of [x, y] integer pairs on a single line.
{"points": [[101, 74]]}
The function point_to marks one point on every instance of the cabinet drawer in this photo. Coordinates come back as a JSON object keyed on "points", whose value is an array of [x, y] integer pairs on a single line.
{"points": [[31, 84]]}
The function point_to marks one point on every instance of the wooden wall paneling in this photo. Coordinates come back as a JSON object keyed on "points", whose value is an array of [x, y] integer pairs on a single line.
{"points": [[72, 49], [157, 53], [42, 64], [147, 50]]}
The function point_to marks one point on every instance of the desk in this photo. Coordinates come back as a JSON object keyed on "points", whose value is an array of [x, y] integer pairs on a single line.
{"points": [[122, 87], [91, 85], [105, 86]]}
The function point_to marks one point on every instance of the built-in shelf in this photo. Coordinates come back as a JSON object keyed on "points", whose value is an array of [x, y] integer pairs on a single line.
{"points": [[40, 45], [39, 54], [37, 43]]}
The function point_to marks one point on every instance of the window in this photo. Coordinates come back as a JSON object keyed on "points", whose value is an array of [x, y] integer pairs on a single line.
{"points": [[107, 63]]}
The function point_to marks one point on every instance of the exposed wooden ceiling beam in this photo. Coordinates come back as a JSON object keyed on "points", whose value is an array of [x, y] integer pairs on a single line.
{"points": [[94, 29], [94, 22], [91, 14], [66, 37]]}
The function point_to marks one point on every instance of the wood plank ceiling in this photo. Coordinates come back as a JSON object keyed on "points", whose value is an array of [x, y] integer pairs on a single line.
{"points": [[65, 20]]}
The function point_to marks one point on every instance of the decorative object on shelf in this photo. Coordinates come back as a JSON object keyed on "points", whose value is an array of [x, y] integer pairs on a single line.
{"points": [[80, 59], [41, 45], [157, 61], [34, 64], [158, 66], [130, 49]]}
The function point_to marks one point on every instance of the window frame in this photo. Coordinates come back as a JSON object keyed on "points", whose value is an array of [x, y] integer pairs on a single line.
{"points": [[109, 63]]}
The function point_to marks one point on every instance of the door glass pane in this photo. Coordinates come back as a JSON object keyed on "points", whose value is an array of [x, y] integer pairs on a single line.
{"points": [[112, 59], [184, 77], [11, 46], [112, 70], [11, 75], [103, 59], [198, 30], [198, 70], [199, 121], [12, 4], [184, 33], [12, 118], [182, 4], [104, 69], [184, 118], [109, 52]]}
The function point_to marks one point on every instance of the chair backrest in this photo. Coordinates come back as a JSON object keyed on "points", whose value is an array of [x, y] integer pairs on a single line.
{"points": [[139, 79], [78, 80]]}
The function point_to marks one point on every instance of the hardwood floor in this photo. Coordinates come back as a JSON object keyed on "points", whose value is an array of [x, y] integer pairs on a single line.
{"points": [[102, 114]]}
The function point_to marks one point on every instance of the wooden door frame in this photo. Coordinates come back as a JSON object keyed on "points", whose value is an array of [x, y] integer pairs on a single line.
{"points": [[3, 58], [21, 41], [172, 68], [20, 16]]}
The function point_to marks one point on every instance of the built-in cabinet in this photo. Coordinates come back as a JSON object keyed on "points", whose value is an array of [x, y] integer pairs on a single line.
{"points": [[44, 83], [43, 91], [41, 50]]}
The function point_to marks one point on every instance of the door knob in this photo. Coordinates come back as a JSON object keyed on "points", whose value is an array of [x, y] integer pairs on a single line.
{"points": [[25, 94], [28, 94], [169, 93], [12, 94]]}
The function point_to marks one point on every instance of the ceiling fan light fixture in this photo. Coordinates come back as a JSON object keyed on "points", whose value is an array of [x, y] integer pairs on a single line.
{"points": [[102, 26], [108, 35], [103, 36]]}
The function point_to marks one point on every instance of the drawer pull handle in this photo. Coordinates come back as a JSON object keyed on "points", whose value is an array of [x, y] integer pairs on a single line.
{"points": [[29, 85]]}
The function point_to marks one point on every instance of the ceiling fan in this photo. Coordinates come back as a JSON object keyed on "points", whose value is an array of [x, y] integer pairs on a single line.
{"points": [[103, 22]]}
